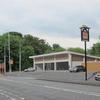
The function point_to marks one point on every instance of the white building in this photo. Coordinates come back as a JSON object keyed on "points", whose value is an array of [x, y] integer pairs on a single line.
{"points": [[60, 60]]}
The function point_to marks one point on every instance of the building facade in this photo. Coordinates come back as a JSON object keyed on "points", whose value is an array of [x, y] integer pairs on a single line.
{"points": [[60, 60]]}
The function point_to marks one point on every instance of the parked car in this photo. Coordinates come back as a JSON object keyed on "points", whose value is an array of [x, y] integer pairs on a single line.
{"points": [[97, 76], [31, 69], [78, 68], [73, 69]]}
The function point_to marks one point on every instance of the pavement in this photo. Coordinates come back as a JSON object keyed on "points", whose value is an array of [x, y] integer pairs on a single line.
{"points": [[24, 86], [60, 76]]}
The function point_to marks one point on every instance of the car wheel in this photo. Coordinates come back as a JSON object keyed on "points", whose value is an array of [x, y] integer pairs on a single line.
{"points": [[70, 71], [77, 71], [95, 79]]}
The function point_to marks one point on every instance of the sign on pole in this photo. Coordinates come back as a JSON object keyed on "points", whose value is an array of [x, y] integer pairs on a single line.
{"points": [[85, 38], [84, 34]]}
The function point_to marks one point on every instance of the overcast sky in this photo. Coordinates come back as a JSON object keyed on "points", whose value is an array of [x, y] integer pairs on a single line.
{"points": [[56, 21]]}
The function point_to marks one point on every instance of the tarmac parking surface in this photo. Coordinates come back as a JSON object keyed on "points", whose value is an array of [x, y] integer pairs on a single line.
{"points": [[25, 86]]}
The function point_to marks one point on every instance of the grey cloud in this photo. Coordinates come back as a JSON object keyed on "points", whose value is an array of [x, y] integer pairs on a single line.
{"points": [[53, 16]]}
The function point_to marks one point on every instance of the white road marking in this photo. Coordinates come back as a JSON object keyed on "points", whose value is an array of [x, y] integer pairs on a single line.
{"points": [[13, 95], [10, 95], [74, 91], [57, 88], [7, 96], [22, 77]]}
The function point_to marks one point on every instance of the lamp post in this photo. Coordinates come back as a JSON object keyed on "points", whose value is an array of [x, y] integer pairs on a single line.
{"points": [[85, 38], [20, 56], [10, 70], [4, 58]]}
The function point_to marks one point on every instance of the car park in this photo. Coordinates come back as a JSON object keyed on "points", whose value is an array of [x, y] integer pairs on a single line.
{"points": [[78, 68], [31, 69], [97, 76]]}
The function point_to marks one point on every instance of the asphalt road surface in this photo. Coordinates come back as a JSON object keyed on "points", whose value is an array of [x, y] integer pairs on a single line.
{"points": [[28, 88]]}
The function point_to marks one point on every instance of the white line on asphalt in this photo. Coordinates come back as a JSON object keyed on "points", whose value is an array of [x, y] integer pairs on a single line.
{"points": [[74, 91], [10, 95], [13, 95], [7, 96], [57, 88], [22, 77]]}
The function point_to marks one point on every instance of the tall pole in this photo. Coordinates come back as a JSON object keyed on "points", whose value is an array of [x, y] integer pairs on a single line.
{"points": [[4, 59], [20, 56], [85, 38], [9, 52], [85, 61]]}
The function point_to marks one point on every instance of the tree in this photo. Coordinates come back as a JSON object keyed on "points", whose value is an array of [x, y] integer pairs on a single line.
{"points": [[26, 52], [40, 46], [26, 45], [78, 50], [57, 48], [95, 50], [15, 38]]}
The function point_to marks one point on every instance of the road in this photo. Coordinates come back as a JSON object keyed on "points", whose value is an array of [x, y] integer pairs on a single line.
{"points": [[28, 88]]}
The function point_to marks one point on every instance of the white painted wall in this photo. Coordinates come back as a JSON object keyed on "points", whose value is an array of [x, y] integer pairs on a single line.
{"points": [[75, 63]]}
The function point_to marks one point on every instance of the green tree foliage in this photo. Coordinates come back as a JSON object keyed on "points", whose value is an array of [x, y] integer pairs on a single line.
{"points": [[78, 50], [26, 52], [14, 46], [2, 42], [95, 50], [27, 45], [40, 46], [57, 48]]}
